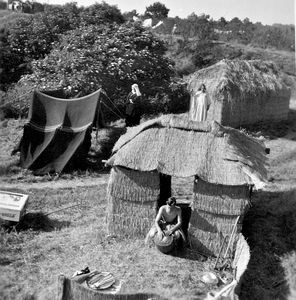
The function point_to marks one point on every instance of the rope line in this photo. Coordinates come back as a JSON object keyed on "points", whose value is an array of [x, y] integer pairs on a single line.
{"points": [[105, 94], [111, 109]]}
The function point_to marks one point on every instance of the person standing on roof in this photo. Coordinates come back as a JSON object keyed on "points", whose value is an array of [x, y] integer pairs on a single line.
{"points": [[199, 105], [132, 110]]}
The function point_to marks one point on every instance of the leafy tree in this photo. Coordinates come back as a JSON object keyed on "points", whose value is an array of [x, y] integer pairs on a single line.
{"points": [[248, 31], [30, 38], [112, 57], [12, 65], [222, 23], [61, 18], [101, 13], [157, 10], [199, 27], [128, 16], [3, 4], [276, 36], [37, 7], [235, 24]]}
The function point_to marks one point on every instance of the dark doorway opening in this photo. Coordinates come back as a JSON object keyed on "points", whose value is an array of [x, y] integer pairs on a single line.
{"points": [[182, 189], [165, 187]]}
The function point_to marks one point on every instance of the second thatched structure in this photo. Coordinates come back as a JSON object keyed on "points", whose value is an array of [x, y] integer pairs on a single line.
{"points": [[224, 163], [243, 92]]}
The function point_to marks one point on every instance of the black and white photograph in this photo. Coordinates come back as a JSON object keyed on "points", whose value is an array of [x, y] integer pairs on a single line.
{"points": [[147, 150]]}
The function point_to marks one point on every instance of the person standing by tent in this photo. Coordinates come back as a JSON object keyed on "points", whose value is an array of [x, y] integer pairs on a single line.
{"points": [[199, 105], [132, 110]]}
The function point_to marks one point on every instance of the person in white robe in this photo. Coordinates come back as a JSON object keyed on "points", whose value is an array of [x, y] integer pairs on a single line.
{"points": [[199, 105]]}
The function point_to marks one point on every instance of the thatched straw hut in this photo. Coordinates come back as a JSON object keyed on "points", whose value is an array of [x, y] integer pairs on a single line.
{"points": [[224, 161], [243, 92]]}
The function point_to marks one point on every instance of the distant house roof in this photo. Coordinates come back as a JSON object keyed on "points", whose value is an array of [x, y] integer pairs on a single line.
{"points": [[175, 146], [239, 79]]}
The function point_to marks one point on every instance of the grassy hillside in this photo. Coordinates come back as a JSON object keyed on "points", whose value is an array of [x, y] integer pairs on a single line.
{"points": [[284, 59], [187, 54], [7, 17]]}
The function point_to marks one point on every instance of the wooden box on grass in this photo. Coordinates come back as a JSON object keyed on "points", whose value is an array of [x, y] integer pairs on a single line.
{"points": [[12, 206]]}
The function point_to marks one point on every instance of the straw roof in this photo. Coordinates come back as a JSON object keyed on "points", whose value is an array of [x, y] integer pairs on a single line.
{"points": [[239, 79], [175, 146]]}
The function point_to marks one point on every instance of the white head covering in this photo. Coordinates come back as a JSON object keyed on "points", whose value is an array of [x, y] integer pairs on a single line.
{"points": [[136, 90]]}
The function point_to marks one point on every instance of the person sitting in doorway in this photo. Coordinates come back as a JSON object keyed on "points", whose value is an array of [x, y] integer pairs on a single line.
{"points": [[168, 222], [132, 110]]}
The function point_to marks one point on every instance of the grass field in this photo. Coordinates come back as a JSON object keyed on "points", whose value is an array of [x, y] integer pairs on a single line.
{"points": [[50, 241], [270, 226]]}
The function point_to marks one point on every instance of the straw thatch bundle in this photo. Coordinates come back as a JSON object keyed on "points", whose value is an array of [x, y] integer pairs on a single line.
{"points": [[135, 186], [210, 242], [131, 199], [217, 154], [220, 199], [243, 92], [207, 230], [129, 218], [214, 212], [225, 161]]}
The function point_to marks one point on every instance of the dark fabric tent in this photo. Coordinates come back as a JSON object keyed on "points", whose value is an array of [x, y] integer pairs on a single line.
{"points": [[58, 133]]}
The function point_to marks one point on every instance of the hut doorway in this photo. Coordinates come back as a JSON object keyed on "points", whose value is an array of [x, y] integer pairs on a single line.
{"points": [[165, 189], [182, 189]]}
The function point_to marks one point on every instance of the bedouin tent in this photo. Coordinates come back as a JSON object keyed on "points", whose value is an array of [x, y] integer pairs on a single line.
{"points": [[58, 133]]}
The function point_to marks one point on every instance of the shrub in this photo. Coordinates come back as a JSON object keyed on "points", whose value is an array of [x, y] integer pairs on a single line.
{"points": [[3, 5], [101, 13], [175, 100], [112, 57], [32, 37], [17, 99]]}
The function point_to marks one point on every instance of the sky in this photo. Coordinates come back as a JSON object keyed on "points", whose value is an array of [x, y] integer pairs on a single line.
{"points": [[265, 11]]}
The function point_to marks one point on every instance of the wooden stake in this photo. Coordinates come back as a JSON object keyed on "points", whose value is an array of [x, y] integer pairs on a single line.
{"points": [[220, 252], [231, 236]]}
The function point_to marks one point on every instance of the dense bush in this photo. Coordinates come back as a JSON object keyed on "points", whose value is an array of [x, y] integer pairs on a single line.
{"points": [[16, 101], [32, 37], [174, 100], [3, 5], [157, 10], [101, 14], [112, 57]]}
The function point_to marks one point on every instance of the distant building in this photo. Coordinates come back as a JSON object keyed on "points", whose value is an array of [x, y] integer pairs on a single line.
{"points": [[25, 7], [15, 5], [243, 92]]}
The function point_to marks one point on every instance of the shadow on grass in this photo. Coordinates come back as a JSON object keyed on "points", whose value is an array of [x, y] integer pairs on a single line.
{"points": [[102, 146], [269, 227], [189, 255], [273, 130], [35, 221], [101, 149]]}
